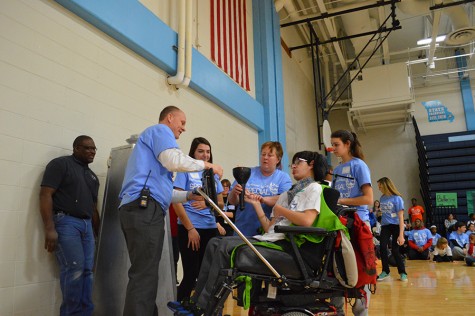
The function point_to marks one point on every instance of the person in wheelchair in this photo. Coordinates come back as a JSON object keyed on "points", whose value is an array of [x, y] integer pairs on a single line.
{"points": [[300, 206]]}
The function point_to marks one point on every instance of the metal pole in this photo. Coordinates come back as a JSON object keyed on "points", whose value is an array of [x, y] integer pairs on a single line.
{"points": [[217, 209]]}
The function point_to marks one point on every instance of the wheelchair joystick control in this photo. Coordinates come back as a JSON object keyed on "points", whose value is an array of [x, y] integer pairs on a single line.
{"points": [[242, 174]]}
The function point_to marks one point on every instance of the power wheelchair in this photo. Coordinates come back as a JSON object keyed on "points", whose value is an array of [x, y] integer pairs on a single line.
{"points": [[284, 282]]}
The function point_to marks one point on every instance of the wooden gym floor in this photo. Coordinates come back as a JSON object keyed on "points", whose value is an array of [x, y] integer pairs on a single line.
{"points": [[432, 289]]}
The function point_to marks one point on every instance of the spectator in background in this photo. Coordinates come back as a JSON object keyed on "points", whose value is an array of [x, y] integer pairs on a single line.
{"points": [[471, 220], [469, 248], [392, 227], [420, 240], [415, 211], [442, 251], [458, 239], [449, 222], [435, 236], [229, 209], [470, 229]]}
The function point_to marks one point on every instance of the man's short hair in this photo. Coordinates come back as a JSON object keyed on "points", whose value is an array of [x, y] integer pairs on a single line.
{"points": [[78, 141], [167, 110], [458, 225]]}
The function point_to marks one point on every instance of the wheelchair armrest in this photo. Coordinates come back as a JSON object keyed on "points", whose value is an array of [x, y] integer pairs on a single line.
{"points": [[343, 210], [300, 230]]}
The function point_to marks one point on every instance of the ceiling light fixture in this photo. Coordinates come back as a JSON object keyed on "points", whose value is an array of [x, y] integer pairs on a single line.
{"points": [[427, 41]]}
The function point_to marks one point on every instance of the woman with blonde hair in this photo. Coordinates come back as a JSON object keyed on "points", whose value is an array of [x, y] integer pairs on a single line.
{"points": [[267, 182], [392, 225]]}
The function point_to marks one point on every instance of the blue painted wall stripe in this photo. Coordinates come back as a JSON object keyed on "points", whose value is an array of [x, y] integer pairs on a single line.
{"points": [[269, 81], [466, 91], [134, 26]]}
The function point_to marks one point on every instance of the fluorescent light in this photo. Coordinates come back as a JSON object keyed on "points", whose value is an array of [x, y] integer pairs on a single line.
{"points": [[427, 41]]}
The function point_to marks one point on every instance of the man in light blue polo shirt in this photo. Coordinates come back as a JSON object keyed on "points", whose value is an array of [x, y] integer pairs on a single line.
{"points": [[147, 191]]}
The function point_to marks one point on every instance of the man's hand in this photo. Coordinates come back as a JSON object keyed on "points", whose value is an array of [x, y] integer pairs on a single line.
{"points": [[51, 239], [217, 169]]}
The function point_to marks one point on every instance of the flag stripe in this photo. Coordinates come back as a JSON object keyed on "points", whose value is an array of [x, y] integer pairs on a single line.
{"points": [[212, 31], [246, 63], [229, 39]]}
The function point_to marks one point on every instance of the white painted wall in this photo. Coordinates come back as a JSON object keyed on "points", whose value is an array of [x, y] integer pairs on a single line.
{"points": [[59, 78], [166, 10], [300, 114]]}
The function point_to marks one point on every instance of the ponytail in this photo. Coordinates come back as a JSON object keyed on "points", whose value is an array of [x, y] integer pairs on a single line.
{"points": [[355, 146]]}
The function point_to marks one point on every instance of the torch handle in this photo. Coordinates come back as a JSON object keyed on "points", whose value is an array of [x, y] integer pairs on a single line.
{"points": [[241, 199]]}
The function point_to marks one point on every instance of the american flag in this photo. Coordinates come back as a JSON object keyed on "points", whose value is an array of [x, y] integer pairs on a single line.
{"points": [[229, 39]]}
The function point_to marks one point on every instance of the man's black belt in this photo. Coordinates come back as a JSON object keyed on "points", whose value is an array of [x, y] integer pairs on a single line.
{"points": [[74, 215]]}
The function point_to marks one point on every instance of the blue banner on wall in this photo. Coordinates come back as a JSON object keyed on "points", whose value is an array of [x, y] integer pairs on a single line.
{"points": [[436, 111]]}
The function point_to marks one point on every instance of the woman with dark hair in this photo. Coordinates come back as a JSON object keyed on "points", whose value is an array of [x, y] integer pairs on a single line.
{"points": [[353, 179], [301, 206], [196, 223], [266, 182]]}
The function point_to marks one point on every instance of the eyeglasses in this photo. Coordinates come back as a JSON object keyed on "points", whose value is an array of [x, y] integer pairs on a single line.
{"points": [[297, 162], [89, 148]]}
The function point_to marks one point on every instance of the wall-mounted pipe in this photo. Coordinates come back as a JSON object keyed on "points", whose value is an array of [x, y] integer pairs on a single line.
{"points": [[185, 44]]}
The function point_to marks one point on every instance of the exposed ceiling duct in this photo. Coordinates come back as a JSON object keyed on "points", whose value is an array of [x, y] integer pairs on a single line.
{"points": [[463, 32], [357, 23]]}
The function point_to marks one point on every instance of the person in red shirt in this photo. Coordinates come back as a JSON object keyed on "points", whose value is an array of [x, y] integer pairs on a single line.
{"points": [[416, 211]]}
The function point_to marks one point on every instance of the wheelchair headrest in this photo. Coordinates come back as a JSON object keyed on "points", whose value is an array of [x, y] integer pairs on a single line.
{"points": [[331, 197]]}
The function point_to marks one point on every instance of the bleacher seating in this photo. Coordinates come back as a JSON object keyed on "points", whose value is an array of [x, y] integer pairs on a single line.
{"points": [[446, 164]]}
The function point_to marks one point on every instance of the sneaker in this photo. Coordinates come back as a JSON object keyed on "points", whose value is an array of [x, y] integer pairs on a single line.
{"points": [[403, 277], [383, 276]]}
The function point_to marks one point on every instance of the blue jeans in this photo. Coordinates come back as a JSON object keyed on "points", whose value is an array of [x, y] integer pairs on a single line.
{"points": [[75, 254]]}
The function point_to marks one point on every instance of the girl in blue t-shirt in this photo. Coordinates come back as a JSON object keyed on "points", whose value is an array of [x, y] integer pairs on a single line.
{"points": [[196, 222], [352, 178], [392, 225]]}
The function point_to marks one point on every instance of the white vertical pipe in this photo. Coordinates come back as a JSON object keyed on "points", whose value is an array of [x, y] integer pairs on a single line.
{"points": [[188, 43], [180, 73]]}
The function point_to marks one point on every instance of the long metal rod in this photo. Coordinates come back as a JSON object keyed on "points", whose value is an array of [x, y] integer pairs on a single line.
{"points": [[329, 15], [217, 209], [348, 37], [450, 4]]}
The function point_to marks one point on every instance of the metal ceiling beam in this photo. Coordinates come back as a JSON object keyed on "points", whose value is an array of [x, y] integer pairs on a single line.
{"points": [[386, 55], [329, 15], [333, 34], [450, 4], [342, 38], [435, 32]]}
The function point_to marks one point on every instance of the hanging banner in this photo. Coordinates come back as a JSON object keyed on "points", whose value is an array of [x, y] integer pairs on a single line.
{"points": [[446, 199], [470, 202], [436, 111]]}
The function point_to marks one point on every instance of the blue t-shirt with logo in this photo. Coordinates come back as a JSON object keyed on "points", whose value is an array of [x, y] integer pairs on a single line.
{"points": [[461, 239], [420, 236], [348, 178], [188, 181], [390, 207], [144, 160], [275, 184]]}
